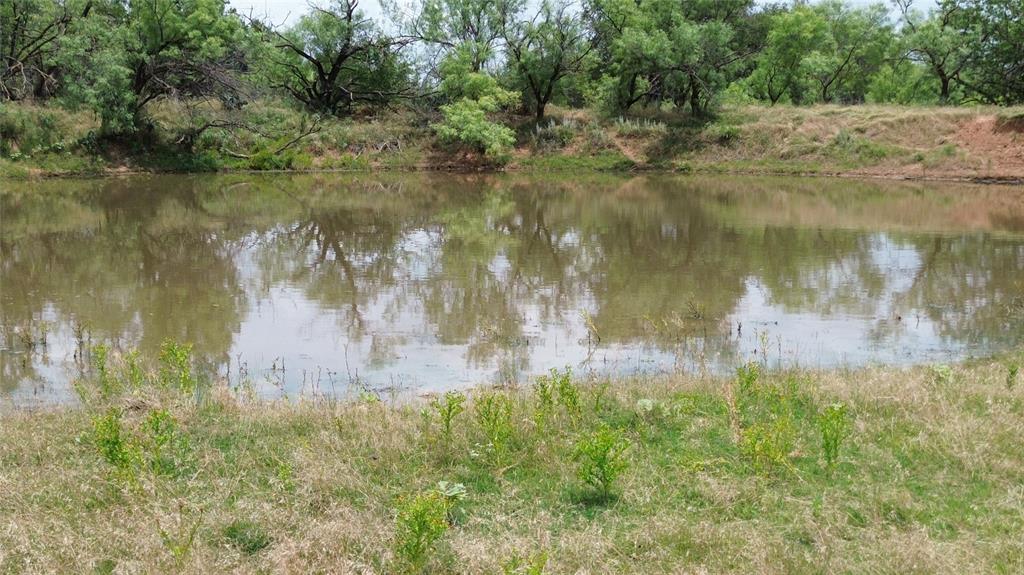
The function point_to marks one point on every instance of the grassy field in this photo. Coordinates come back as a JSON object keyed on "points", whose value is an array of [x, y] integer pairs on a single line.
{"points": [[982, 143], [871, 471]]}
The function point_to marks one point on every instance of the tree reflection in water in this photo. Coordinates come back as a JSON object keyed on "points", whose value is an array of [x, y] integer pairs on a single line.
{"points": [[439, 280]]}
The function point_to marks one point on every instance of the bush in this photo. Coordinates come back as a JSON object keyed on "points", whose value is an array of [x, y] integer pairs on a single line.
{"points": [[554, 136], [639, 128], [448, 406], [602, 459], [176, 366], [113, 443], [421, 522], [722, 134], [834, 425], [465, 122], [494, 414]]}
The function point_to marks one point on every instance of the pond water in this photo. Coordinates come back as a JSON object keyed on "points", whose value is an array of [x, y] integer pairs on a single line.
{"points": [[331, 283]]}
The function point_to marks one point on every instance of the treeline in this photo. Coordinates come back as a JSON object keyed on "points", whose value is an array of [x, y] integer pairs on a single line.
{"points": [[472, 59]]}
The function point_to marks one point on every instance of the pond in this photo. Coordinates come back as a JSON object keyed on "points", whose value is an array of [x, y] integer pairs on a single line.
{"points": [[329, 283]]}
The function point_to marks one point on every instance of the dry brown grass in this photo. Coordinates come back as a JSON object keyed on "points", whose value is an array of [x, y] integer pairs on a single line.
{"points": [[928, 482]]}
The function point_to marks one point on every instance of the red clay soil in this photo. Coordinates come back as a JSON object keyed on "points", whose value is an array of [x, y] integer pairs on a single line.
{"points": [[987, 149], [998, 145]]}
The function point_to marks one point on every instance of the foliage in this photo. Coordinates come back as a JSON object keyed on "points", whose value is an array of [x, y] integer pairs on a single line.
{"points": [[113, 443], [335, 59], [602, 459], [544, 50], [421, 521], [494, 415], [448, 407], [834, 424], [176, 366]]}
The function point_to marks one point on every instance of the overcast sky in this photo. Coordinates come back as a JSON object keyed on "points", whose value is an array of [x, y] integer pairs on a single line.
{"points": [[288, 11]]}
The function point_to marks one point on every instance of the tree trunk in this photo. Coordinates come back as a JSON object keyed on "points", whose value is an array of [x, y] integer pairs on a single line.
{"points": [[695, 106]]}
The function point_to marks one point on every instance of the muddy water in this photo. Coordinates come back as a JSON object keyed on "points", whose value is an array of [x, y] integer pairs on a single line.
{"points": [[329, 283]]}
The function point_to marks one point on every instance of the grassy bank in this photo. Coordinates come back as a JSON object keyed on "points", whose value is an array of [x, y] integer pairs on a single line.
{"points": [[887, 141], [873, 471]]}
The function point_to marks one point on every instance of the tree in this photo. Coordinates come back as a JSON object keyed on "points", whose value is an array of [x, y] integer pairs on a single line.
{"points": [[942, 40], [123, 55], [544, 50], [664, 50], [335, 58], [30, 33], [856, 47], [472, 26], [793, 35], [473, 95], [996, 63]]}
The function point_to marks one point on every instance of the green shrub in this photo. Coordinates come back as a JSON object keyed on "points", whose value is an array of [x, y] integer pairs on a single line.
{"points": [[165, 448], [421, 521], [494, 415], [465, 123], [568, 393], [834, 425], [768, 443], [105, 382], [747, 377], [639, 127], [722, 134], [448, 407], [942, 374], [176, 366], [114, 444], [602, 459], [554, 136]]}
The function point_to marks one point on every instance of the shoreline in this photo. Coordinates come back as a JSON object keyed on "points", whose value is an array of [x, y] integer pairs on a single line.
{"points": [[878, 469], [1010, 180], [982, 145]]}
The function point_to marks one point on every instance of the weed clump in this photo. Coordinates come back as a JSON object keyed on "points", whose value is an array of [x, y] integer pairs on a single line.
{"points": [[421, 521], [834, 424], [602, 460], [494, 415], [248, 537], [176, 366], [448, 407]]}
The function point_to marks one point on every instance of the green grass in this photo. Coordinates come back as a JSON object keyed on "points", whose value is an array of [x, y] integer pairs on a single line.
{"points": [[611, 161], [879, 470]]}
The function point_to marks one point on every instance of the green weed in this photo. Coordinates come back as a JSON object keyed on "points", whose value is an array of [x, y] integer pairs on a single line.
{"points": [[165, 448], [1012, 370], [494, 415], [942, 374], [421, 521], [113, 443], [530, 565], [448, 407], [248, 537], [568, 393], [767, 444], [602, 460], [834, 424], [176, 366], [182, 538]]}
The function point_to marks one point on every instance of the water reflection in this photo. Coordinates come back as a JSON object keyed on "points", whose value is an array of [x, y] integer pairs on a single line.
{"points": [[434, 281]]}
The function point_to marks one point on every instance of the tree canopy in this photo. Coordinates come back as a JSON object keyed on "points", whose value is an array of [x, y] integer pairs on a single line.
{"points": [[473, 61]]}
